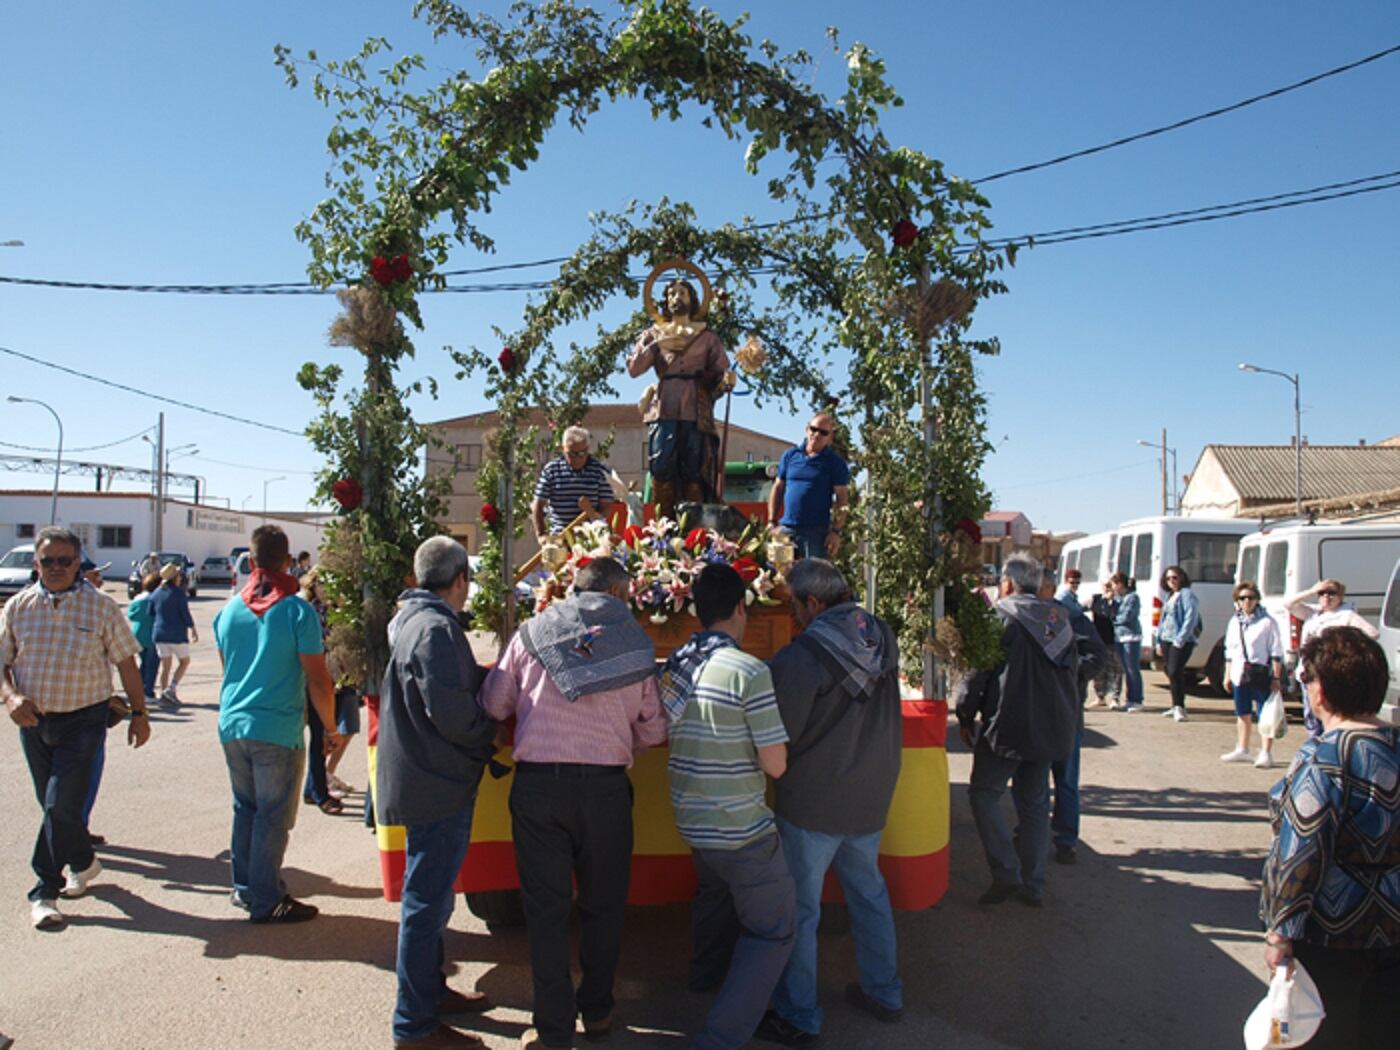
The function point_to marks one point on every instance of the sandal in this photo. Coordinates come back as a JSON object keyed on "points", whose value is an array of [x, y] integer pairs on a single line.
{"points": [[332, 805]]}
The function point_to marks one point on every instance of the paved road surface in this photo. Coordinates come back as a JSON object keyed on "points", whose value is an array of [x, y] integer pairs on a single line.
{"points": [[1150, 941]]}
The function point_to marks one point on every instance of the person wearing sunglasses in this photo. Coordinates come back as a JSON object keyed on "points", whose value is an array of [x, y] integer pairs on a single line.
{"points": [[812, 488], [1254, 652], [1321, 607], [59, 640]]}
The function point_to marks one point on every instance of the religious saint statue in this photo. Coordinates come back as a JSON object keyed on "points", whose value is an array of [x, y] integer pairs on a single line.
{"points": [[692, 370]]}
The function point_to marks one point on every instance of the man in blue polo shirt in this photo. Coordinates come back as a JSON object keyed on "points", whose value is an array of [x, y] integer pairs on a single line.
{"points": [[811, 489]]}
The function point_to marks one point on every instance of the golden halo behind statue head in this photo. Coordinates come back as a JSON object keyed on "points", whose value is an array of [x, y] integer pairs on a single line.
{"points": [[676, 264]]}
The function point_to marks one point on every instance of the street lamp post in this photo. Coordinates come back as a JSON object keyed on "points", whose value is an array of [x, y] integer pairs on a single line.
{"points": [[269, 481], [1297, 431], [58, 460], [1175, 498]]}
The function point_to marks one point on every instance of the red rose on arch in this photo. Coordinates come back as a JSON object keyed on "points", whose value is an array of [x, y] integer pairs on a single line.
{"points": [[401, 269], [904, 233], [506, 359], [382, 271], [490, 515], [696, 538], [747, 568], [971, 530], [347, 493]]}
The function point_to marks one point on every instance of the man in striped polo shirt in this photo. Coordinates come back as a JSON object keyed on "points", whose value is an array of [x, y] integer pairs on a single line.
{"points": [[565, 482], [726, 733]]}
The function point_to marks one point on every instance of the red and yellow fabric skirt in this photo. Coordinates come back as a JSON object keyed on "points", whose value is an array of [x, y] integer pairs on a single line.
{"points": [[913, 850]]}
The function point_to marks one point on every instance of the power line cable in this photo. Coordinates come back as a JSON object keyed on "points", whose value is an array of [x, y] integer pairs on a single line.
{"points": [[1188, 121], [248, 466], [87, 448], [146, 394]]}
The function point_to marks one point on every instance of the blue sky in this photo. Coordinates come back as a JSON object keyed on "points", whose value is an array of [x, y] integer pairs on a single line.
{"points": [[156, 143]]}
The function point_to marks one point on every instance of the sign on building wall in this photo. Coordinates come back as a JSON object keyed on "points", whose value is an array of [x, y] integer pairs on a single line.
{"points": [[203, 519]]}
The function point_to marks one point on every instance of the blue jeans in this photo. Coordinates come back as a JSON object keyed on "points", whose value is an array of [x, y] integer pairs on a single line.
{"points": [[433, 855], [1064, 818], [856, 859], [60, 752], [810, 542], [1130, 656], [264, 779], [150, 664], [99, 760], [1030, 791]]}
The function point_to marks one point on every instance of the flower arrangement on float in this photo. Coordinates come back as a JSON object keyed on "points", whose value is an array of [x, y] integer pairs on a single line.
{"points": [[663, 557]]}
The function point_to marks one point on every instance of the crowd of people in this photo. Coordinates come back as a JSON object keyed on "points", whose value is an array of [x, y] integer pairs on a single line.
{"points": [[754, 747]]}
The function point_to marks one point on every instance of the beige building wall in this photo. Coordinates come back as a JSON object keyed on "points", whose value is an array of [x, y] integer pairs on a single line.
{"points": [[1209, 493], [467, 436]]}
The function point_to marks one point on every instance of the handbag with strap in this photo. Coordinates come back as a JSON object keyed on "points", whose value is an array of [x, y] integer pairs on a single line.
{"points": [[1254, 676]]}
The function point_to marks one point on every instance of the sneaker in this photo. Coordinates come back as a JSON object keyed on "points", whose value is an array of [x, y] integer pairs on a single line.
{"points": [[77, 882], [1132, 709], [773, 1029], [1168, 712], [1264, 761], [1030, 898], [1240, 754], [287, 910], [1117, 706], [236, 899], [169, 700], [45, 915], [1178, 714], [1066, 855], [856, 996]]}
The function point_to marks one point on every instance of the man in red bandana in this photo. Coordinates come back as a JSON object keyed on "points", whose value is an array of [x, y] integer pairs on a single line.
{"points": [[269, 643]]}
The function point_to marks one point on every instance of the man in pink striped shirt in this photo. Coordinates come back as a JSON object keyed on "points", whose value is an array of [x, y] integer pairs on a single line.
{"points": [[580, 681]]}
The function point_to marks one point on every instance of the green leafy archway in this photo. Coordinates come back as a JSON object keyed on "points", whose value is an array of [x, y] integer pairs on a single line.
{"points": [[879, 259]]}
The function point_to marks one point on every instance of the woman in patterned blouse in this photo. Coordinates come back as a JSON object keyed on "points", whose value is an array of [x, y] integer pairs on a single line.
{"points": [[1332, 879]]}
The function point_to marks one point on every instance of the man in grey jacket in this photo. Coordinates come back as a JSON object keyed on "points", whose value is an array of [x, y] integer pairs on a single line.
{"points": [[838, 692], [1029, 711], [434, 741]]}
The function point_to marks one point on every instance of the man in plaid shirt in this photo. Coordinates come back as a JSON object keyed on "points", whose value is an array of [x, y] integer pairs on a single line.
{"points": [[59, 639]]}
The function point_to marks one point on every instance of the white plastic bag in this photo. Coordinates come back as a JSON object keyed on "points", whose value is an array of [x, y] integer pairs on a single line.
{"points": [[1273, 720], [1289, 1014]]}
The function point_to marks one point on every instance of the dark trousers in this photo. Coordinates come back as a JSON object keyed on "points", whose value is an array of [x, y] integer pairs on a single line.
{"points": [[60, 752], [1361, 993], [1177, 674], [744, 920], [1064, 816], [316, 787], [572, 822]]}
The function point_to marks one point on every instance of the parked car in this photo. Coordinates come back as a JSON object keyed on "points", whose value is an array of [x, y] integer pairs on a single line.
{"points": [[242, 570], [1208, 549], [216, 569], [1390, 642], [16, 570], [1286, 559], [180, 558]]}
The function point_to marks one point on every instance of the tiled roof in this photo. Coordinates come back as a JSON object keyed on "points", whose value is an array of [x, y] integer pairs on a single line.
{"points": [[1265, 472]]}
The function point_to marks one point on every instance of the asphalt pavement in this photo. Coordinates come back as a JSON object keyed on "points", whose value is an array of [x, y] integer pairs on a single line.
{"points": [[1150, 940]]}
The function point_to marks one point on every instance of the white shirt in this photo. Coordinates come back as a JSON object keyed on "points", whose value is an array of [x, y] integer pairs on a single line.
{"points": [[1255, 642]]}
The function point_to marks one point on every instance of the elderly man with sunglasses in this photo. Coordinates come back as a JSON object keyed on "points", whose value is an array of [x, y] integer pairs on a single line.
{"points": [[59, 639], [812, 490]]}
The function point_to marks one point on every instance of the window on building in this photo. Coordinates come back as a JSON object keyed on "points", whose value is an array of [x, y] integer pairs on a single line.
{"points": [[469, 457], [114, 537], [24, 532]]}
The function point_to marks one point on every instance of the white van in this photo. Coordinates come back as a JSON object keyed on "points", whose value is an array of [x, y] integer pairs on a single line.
{"points": [[1286, 559], [1390, 642], [1093, 557], [1207, 549]]}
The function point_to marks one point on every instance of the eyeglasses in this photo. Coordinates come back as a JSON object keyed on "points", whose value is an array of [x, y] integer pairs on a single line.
{"points": [[1249, 597], [576, 453], [1329, 593], [819, 430], [60, 563]]}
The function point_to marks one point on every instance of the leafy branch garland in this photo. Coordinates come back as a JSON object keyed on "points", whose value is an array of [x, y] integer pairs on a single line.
{"points": [[414, 168]]}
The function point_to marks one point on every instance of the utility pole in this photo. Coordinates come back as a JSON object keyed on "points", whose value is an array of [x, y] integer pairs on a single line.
{"points": [[1164, 472], [160, 483]]}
